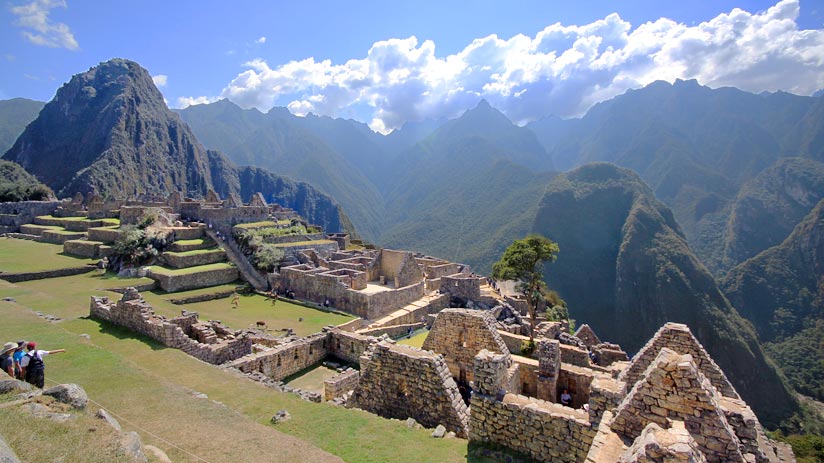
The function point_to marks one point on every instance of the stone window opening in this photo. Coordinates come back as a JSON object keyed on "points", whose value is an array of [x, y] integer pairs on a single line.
{"points": [[461, 339], [310, 349], [296, 354], [403, 390], [278, 360]]}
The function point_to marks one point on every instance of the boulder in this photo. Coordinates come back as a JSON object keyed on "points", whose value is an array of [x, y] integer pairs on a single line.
{"points": [[109, 419], [132, 446], [158, 454], [71, 394], [281, 416], [439, 432], [7, 455], [13, 385]]}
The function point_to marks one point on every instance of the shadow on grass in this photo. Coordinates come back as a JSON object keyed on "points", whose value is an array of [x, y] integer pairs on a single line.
{"points": [[490, 453], [120, 332]]}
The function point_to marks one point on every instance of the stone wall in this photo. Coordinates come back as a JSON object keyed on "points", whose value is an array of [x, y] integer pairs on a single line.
{"points": [[542, 430], [171, 282], [673, 388], [349, 347], [341, 384], [459, 334], [393, 331], [286, 359], [132, 312], [29, 276], [678, 337], [178, 260], [103, 234], [401, 382], [463, 286], [14, 214]]}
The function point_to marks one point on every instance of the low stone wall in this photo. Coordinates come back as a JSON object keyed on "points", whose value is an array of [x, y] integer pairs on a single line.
{"points": [[401, 382], [542, 430], [286, 359], [132, 312], [349, 347], [29, 276], [202, 297], [214, 277], [339, 385], [103, 234], [395, 331], [82, 248], [575, 356], [187, 233], [513, 342], [57, 237], [294, 238], [176, 260]]}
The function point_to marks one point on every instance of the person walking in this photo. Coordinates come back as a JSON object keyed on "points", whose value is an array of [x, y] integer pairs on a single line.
{"points": [[6, 360], [34, 369]]}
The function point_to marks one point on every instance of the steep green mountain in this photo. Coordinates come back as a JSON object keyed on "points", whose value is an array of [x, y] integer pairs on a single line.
{"points": [[781, 290], [625, 267], [15, 115], [279, 141], [18, 185], [109, 130], [464, 192], [767, 208], [695, 146]]}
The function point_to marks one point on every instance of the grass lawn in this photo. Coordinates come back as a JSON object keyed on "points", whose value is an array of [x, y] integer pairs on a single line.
{"points": [[152, 390], [192, 253], [196, 241], [416, 340], [312, 379], [190, 270], [261, 224], [31, 256], [253, 307]]}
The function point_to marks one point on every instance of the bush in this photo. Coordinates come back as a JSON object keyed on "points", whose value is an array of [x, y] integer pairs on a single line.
{"points": [[267, 256], [136, 246], [527, 348]]}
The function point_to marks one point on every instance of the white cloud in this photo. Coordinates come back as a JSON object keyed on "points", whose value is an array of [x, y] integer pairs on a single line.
{"points": [[261, 40], [38, 29], [562, 70], [160, 80], [186, 101]]}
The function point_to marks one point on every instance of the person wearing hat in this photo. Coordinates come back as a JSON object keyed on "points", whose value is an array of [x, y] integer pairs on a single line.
{"points": [[6, 362], [34, 370], [17, 357]]}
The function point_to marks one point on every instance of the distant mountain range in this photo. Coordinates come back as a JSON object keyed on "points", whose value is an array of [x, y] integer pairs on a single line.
{"points": [[726, 190]]}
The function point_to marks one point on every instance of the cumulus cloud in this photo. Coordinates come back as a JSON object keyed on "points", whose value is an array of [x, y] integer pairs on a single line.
{"points": [[38, 29], [160, 80], [186, 101], [563, 70], [261, 40]]}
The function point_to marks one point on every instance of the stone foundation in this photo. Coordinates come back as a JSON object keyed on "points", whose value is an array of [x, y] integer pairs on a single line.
{"points": [[340, 385]]}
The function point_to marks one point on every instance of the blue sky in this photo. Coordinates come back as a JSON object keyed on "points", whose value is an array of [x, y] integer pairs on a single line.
{"points": [[389, 62]]}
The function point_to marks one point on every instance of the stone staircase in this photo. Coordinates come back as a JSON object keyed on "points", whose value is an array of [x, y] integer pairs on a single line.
{"points": [[233, 252]]}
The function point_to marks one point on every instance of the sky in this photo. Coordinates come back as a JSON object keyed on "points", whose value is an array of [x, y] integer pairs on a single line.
{"points": [[387, 63]]}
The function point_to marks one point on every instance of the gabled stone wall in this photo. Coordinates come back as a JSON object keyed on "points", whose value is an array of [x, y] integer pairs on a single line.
{"points": [[401, 382]]}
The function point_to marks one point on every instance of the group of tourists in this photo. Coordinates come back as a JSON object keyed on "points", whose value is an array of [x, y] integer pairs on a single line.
{"points": [[24, 361]]}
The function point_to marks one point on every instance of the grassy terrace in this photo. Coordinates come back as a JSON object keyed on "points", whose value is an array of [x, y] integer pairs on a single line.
{"points": [[189, 271], [106, 222], [18, 256], [252, 308], [262, 224], [152, 389], [196, 241], [192, 253], [302, 243], [416, 340]]}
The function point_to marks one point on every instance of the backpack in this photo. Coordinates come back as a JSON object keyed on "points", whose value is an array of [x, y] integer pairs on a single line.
{"points": [[35, 364]]}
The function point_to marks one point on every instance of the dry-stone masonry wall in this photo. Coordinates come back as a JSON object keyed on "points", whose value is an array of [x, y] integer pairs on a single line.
{"points": [[543, 430], [678, 337], [341, 384], [287, 359], [132, 312], [401, 382], [459, 334]]}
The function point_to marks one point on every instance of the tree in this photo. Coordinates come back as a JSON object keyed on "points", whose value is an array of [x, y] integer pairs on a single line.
{"points": [[523, 261]]}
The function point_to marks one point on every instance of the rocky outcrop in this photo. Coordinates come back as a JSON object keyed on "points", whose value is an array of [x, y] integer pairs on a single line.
{"points": [[70, 394]]}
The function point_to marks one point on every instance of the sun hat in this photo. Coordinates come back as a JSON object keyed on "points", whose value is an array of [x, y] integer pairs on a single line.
{"points": [[8, 347]]}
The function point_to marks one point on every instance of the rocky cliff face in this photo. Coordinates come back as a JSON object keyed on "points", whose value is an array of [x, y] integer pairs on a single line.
{"points": [[781, 290], [108, 130], [626, 269]]}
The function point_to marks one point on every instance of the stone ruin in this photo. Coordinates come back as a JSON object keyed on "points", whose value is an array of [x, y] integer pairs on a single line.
{"points": [[209, 341]]}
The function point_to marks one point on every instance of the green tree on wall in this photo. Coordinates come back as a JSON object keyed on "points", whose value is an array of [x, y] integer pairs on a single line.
{"points": [[523, 261]]}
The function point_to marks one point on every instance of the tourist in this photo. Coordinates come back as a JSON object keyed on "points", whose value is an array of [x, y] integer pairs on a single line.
{"points": [[18, 356], [6, 360], [566, 398], [34, 369]]}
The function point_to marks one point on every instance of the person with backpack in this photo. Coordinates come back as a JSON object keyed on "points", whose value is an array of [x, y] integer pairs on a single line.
{"points": [[34, 369], [6, 361]]}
